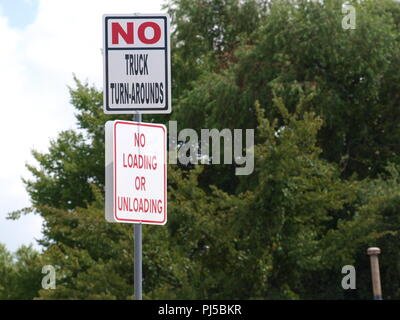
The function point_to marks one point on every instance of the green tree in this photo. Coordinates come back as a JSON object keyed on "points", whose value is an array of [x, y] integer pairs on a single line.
{"points": [[324, 102], [6, 272], [302, 48], [20, 273], [205, 34]]}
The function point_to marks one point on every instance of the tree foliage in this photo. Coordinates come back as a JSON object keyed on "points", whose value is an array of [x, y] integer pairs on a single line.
{"points": [[20, 273], [324, 103]]}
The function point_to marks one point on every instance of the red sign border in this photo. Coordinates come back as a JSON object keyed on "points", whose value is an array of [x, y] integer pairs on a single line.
{"points": [[115, 173]]}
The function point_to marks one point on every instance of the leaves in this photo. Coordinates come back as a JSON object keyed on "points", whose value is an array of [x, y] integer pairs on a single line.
{"points": [[324, 105]]}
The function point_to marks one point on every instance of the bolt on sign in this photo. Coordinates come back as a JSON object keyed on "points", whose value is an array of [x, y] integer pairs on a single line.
{"points": [[137, 64], [136, 172]]}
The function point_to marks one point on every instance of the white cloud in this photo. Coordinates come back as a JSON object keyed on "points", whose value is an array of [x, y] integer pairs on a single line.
{"points": [[36, 65]]}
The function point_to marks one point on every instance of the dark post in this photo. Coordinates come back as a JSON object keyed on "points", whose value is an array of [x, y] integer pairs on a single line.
{"points": [[138, 246]]}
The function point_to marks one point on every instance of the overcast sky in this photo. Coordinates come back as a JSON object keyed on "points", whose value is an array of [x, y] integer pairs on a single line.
{"points": [[42, 43]]}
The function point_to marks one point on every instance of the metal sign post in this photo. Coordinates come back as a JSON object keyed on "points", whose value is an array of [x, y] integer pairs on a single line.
{"points": [[138, 261], [137, 227], [137, 80]]}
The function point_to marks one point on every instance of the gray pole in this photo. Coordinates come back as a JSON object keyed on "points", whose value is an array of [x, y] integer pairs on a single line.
{"points": [[373, 253], [138, 246]]}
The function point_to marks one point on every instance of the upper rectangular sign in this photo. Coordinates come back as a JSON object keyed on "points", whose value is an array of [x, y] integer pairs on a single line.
{"points": [[137, 63]]}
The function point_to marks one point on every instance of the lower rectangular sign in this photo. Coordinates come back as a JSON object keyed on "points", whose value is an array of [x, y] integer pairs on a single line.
{"points": [[136, 172]]}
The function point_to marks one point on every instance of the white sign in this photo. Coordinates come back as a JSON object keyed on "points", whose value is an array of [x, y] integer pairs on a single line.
{"points": [[136, 172], [137, 64]]}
